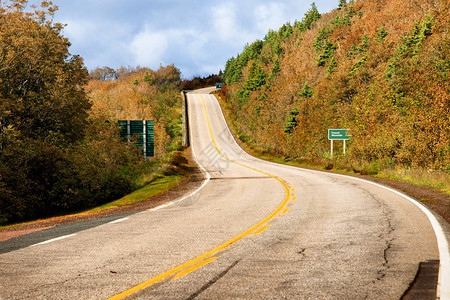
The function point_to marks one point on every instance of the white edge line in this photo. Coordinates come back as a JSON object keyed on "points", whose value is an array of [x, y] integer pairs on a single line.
{"points": [[118, 220], [205, 182], [443, 286], [54, 240]]}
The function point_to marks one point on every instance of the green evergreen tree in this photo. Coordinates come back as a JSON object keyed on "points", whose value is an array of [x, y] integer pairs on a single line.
{"points": [[310, 17], [382, 33], [291, 121], [256, 77], [307, 91], [342, 4]]}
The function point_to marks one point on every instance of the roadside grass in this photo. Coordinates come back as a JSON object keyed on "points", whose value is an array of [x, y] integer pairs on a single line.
{"points": [[431, 178], [162, 175], [155, 188]]}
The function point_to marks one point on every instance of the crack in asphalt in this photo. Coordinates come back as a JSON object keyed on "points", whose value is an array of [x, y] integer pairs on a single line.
{"points": [[212, 281], [386, 236], [383, 272], [388, 242], [302, 251]]}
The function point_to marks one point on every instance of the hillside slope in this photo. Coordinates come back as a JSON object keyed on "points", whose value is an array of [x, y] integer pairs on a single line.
{"points": [[378, 68]]}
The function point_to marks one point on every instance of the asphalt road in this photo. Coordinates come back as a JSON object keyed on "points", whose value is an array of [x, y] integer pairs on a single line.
{"points": [[254, 230]]}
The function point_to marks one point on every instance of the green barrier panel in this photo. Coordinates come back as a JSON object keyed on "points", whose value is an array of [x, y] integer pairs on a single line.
{"points": [[145, 132]]}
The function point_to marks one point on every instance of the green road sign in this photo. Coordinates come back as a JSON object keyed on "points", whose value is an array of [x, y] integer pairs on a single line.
{"points": [[145, 132], [338, 134]]}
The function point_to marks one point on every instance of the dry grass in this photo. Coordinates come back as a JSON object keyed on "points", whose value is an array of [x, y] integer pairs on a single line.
{"points": [[431, 178]]}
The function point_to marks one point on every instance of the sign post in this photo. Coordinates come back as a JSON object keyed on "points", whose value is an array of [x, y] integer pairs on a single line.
{"points": [[337, 134]]}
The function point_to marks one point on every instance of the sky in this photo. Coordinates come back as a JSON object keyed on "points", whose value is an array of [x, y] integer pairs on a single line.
{"points": [[197, 36]]}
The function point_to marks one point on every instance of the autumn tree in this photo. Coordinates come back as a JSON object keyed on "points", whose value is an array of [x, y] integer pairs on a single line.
{"points": [[140, 93], [54, 156], [41, 82], [103, 73]]}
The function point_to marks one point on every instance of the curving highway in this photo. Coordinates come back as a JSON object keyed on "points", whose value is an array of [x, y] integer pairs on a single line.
{"points": [[253, 230]]}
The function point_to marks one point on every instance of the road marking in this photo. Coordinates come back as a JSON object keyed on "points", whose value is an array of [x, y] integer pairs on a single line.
{"points": [[260, 230], [294, 198], [194, 267], [285, 210], [54, 240], [208, 254], [118, 221]]}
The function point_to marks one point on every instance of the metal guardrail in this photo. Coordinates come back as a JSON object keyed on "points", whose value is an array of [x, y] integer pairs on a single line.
{"points": [[186, 141]]}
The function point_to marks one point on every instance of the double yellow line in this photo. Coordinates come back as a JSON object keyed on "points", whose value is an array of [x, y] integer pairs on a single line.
{"points": [[208, 257]]}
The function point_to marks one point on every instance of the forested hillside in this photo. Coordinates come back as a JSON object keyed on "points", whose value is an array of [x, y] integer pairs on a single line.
{"points": [[378, 68], [60, 149], [138, 93]]}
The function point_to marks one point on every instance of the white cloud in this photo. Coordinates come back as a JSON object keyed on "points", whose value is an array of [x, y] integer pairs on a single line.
{"points": [[224, 20], [269, 16], [184, 47], [100, 42], [76, 30], [149, 48], [232, 25], [210, 69]]}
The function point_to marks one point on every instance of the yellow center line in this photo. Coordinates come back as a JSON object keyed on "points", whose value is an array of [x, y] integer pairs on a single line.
{"points": [[195, 267], [165, 275], [286, 210], [260, 230]]}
